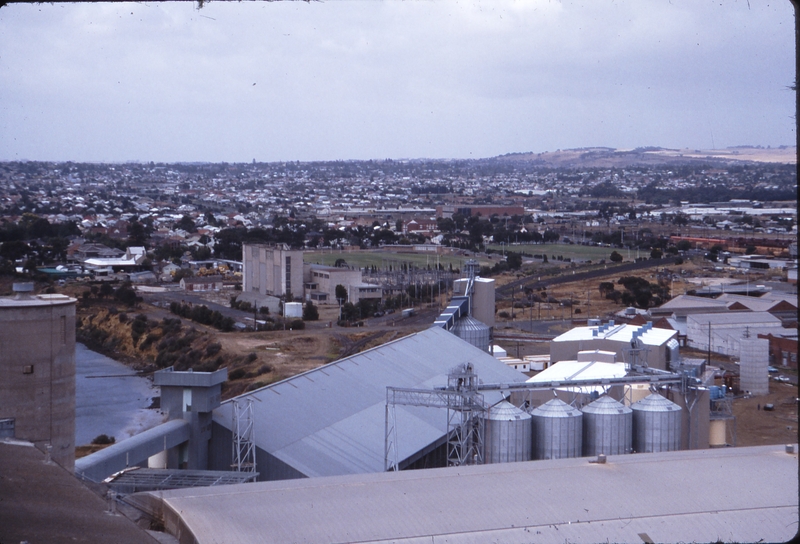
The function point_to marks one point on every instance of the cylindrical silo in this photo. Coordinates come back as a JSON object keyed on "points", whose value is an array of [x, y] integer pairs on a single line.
{"points": [[717, 433], [557, 430], [753, 363], [506, 434], [473, 331], [37, 371], [656, 425], [607, 428]]}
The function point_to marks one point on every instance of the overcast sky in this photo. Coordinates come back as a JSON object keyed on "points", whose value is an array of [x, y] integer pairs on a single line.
{"points": [[270, 81]]}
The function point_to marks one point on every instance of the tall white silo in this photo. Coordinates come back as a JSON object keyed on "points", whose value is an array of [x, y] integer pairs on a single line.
{"points": [[753, 362]]}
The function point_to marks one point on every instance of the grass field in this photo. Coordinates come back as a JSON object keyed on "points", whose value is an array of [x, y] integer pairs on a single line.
{"points": [[574, 252], [382, 258]]}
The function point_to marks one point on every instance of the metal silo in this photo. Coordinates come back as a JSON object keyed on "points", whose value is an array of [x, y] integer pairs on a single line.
{"points": [[507, 434], [473, 331], [607, 428], [656, 425], [557, 430]]}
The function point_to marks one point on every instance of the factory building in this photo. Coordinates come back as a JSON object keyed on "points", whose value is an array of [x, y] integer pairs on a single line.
{"points": [[729, 330], [272, 270], [331, 420], [631, 344], [320, 283], [37, 371]]}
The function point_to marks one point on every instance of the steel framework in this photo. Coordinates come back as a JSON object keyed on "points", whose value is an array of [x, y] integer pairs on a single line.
{"points": [[464, 426], [244, 449], [464, 402]]}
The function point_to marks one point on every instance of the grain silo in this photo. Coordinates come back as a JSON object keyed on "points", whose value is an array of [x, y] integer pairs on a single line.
{"points": [[37, 371], [557, 430], [507, 434], [607, 428], [474, 332], [656, 425], [753, 362]]}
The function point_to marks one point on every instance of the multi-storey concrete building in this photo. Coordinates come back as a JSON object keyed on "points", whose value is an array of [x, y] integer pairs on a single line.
{"points": [[272, 270]]}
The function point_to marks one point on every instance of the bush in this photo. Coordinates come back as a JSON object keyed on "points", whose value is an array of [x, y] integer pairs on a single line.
{"points": [[310, 312], [236, 374], [103, 439], [297, 325]]}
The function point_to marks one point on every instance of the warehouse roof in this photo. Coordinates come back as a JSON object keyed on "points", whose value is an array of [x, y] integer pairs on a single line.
{"points": [[728, 495], [331, 420], [683, 305], [618, 333], [43, 502], [575, 370], [736, 318]]}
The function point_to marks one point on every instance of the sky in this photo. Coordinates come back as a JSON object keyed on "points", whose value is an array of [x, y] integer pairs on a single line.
{"points": [[372, 79]]}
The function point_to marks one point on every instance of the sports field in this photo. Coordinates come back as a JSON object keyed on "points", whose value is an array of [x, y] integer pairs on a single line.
{"points": [[383, 258]]}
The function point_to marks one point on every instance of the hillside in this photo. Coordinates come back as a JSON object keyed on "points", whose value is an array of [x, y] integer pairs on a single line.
{"points": [[607, 157]]}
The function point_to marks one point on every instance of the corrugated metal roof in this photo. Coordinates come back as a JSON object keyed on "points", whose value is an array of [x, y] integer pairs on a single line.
{"points": [[330, 420], [728, 495], [734, 318], [618, 333]]}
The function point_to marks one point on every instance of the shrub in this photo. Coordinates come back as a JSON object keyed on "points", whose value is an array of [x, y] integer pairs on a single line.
{"points": [[103, 439], [236, 374]]}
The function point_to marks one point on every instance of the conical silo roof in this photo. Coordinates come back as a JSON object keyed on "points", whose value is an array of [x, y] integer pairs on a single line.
{"points": [[655, 403], [556, 408], [505, 411], [606, 405]]}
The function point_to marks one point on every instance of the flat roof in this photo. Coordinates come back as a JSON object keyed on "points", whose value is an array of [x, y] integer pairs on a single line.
{"points": [[618, 333], [36, 300], [726, 495]]}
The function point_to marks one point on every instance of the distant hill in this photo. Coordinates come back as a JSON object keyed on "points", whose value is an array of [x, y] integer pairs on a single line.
{"points": [[598, 157]]}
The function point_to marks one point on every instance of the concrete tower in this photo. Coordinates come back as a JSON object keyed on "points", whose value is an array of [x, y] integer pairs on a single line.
{"points": [[37, 371]]}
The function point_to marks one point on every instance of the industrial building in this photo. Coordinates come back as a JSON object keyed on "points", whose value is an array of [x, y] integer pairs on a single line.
{"points": [[320, 284], [37, 371], [718, 495], [331, 420], [632, 344], [272, 270]]}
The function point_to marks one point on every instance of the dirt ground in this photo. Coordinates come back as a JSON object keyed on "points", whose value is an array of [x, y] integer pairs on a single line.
{"points": [[756, 426]]}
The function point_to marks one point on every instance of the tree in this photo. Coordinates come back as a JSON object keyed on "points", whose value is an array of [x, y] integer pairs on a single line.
{"points": [[310, 312], [615, 257], [105, 290], [186, 223], [656, 253], [341, 293], [514, 260]]}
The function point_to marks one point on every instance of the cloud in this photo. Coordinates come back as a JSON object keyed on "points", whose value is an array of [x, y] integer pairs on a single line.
{"points": [[337, 80]]}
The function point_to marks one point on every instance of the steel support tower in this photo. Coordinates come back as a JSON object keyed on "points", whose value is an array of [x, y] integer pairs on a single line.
{"points": [[244, 448]]}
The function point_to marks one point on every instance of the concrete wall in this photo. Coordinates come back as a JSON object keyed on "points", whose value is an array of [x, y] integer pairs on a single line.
{"points": [[273, 271], [328, 277], [37, 372]]}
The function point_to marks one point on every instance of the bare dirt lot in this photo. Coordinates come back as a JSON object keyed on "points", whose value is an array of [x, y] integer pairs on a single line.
{"points": [[756, 426]]}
